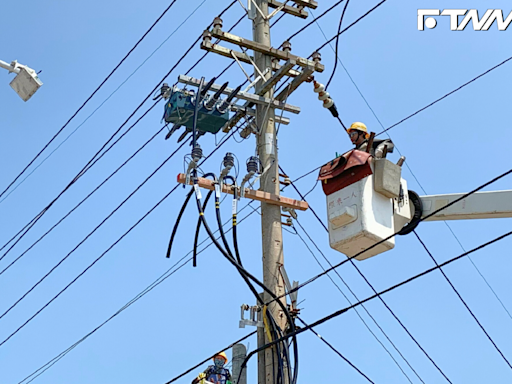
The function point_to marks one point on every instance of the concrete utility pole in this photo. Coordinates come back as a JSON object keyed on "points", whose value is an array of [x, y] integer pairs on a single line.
{"points": [[267, 64], [272, 235]]}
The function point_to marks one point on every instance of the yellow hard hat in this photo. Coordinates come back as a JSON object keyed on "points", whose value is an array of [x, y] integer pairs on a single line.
{"points": [[357, 126], [223, 355]]}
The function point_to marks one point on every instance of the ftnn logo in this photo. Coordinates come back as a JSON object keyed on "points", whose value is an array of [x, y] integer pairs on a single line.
{"points": [[479, 24]]}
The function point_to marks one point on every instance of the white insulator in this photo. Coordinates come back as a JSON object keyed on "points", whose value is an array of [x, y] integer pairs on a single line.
{"points": [[328, 103], [319, 88], [323, 95]]}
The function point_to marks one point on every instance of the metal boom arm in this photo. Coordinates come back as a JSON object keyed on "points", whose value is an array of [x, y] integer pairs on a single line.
{"points": [[480, 205]]}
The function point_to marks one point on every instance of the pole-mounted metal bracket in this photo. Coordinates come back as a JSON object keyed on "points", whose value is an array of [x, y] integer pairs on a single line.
{"points": [[256, 99], [253, 316]]}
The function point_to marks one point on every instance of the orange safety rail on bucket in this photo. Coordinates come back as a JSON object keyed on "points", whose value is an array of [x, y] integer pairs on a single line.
{"points": [[347, 169]]}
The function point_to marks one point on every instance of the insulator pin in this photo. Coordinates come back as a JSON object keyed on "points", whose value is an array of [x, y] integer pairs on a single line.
{"points": [[197, 153], [253, 164]]}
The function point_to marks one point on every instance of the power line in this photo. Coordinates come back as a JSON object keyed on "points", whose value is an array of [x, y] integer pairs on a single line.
{"points": [[315, 19], [337, 45], [351, 25], [344, 310], [448, 94], [23, 231], [359, 253], [389, 237], [374, 290], [95, 158], [419, 239], [145, 291], [462, 300], [104, 253], [357, 312], [90, 194], [81, 202], [336, 351], [91, 96]]}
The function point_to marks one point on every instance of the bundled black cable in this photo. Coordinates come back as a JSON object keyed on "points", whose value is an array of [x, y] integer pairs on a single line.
{"points": [[246, 275]]}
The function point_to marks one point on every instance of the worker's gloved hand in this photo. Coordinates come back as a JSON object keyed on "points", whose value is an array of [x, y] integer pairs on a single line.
{"points": [[201, 377]]}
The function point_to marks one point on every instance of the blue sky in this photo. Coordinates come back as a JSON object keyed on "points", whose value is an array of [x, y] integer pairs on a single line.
{"points": [[451, 147]]}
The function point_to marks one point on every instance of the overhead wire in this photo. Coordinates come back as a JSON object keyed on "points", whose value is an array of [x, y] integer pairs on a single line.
{"points": [[380, 298], [23, 231], [357, 312], [336, 351], [414, 176], [463, 301], [94, 159], [115, 91], [90, 97], [81, 202], [97, 259], [337, 45], [361, 302], [378, 294], [446, 95], [88, 236]]}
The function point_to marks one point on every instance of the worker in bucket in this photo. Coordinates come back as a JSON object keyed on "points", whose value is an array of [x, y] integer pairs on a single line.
{"points": [[359, 136], [216, 373]]}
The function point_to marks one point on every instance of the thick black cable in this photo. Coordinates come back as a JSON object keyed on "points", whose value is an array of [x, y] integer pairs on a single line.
{"points": [[336, 53], [357, 312], [336, 351], [177, 222], [344, 310], [462, 300], [90, 97], [445, 96], [198, 229], [245, 272], [82, 201], [233, 217]]}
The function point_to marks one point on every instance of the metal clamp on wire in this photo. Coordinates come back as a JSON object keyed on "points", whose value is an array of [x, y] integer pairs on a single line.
{"points": [[253, 165]]}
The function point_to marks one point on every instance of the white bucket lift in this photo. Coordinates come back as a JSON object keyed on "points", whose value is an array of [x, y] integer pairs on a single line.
{"points": [[368, 201]]}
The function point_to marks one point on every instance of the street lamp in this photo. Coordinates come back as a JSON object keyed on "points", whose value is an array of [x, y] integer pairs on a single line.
{"points": [[26, 82]]}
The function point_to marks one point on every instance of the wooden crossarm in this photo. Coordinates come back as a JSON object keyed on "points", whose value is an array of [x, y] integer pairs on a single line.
{"points": [[264, 197]]}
